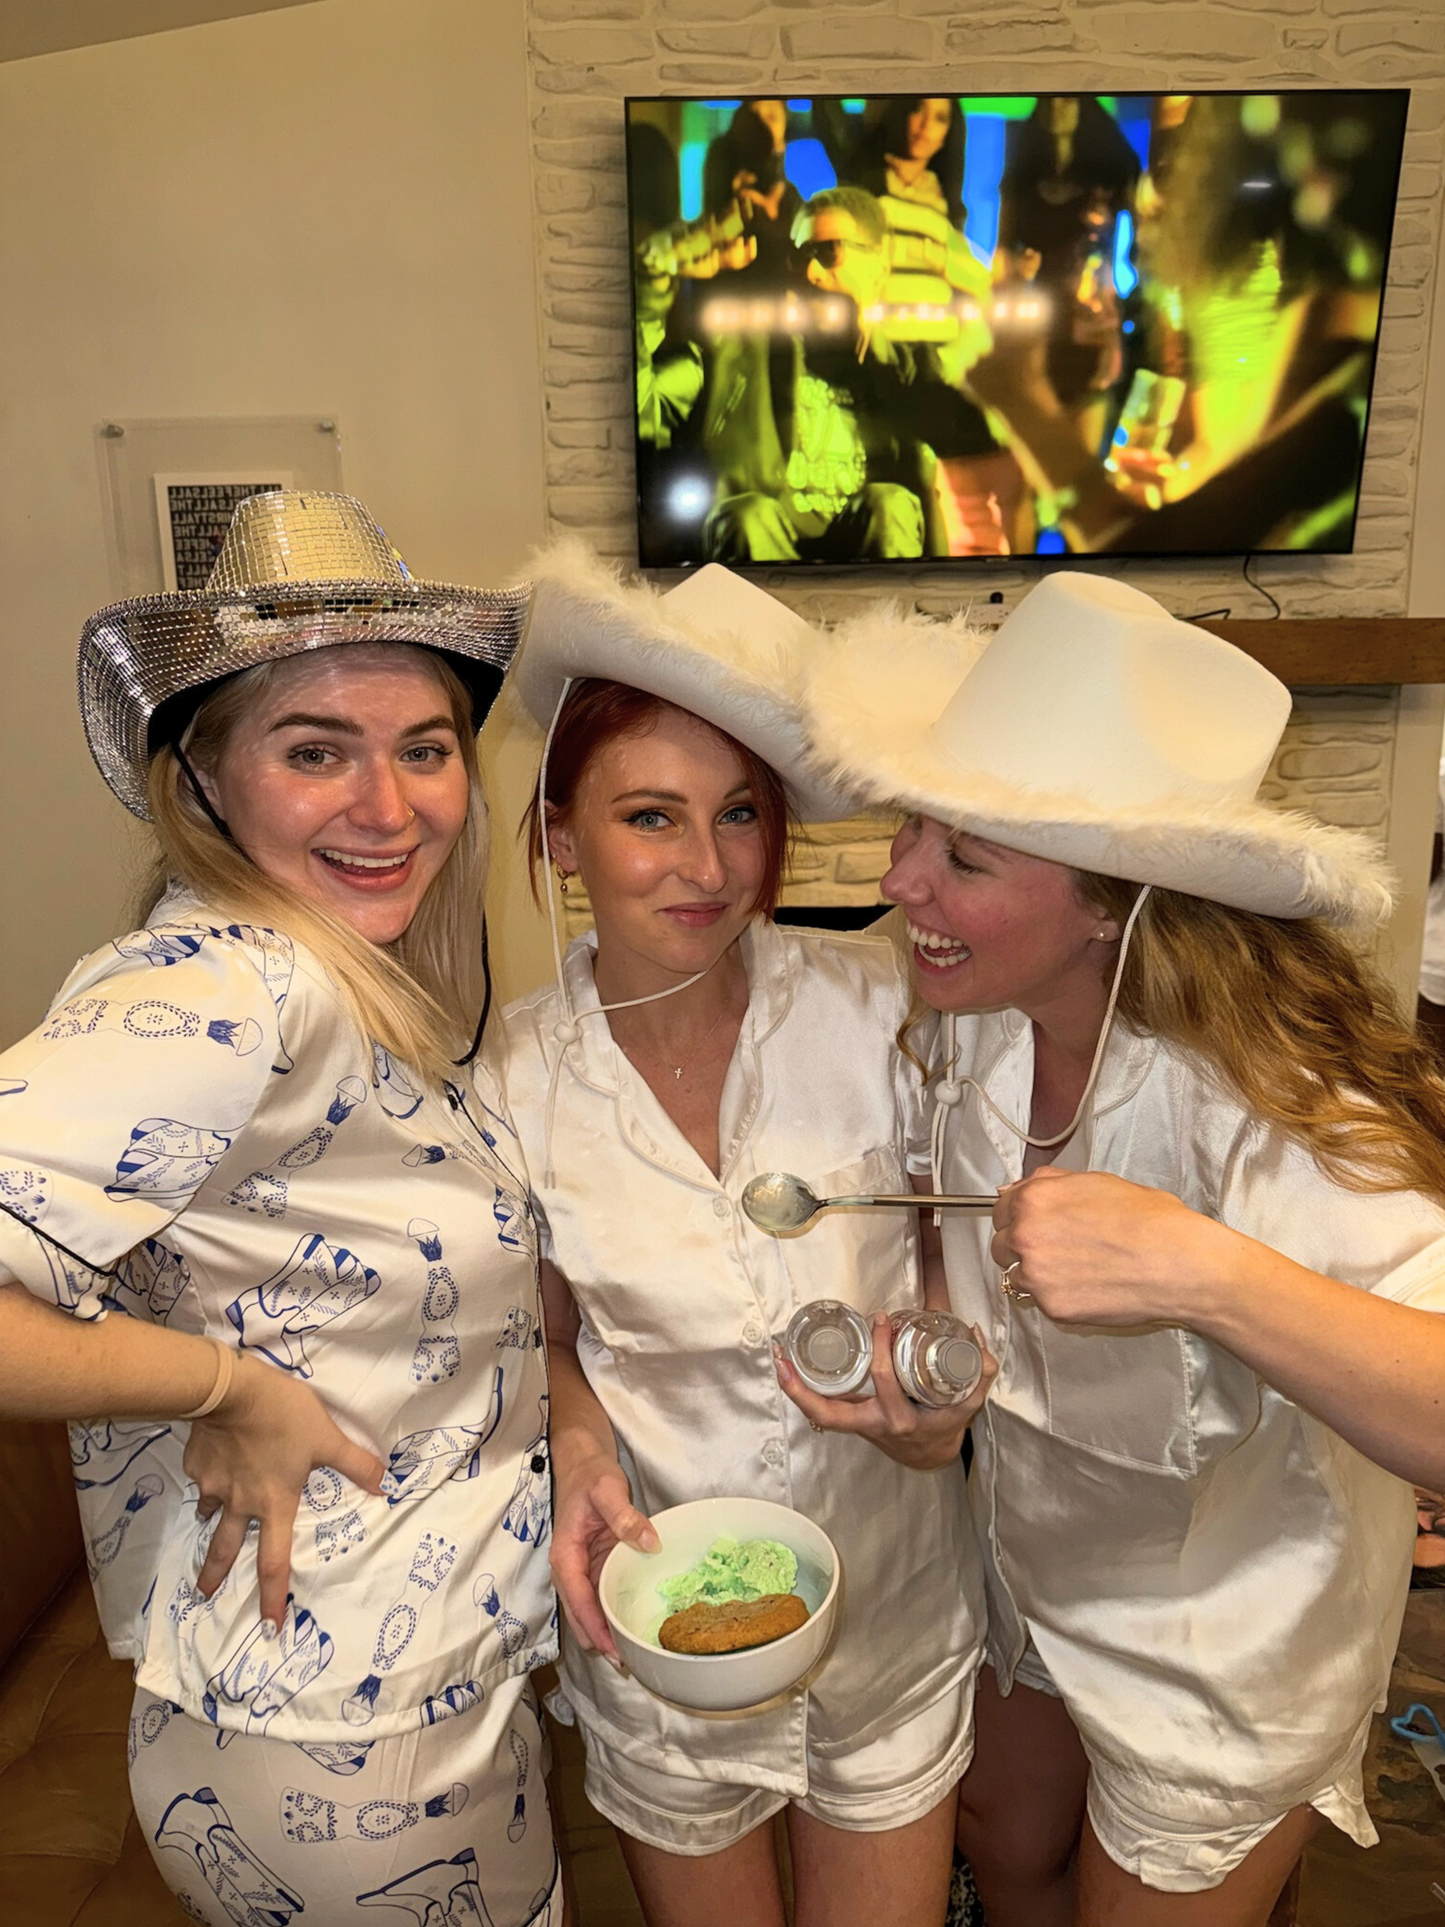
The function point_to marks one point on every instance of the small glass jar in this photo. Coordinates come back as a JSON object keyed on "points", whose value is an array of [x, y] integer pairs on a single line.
{"points": [[935, 1357], [830, 1347]]}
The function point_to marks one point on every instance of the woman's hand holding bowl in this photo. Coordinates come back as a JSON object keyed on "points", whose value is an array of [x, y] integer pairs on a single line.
{"points": [[592, 1514], [921, 1436]]}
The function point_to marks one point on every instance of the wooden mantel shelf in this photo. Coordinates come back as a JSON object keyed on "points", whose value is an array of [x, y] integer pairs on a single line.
{"points": [[1345, 649]]}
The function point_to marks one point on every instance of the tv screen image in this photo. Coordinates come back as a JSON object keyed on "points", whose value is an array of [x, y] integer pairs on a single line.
{"points": [[908, 327]]}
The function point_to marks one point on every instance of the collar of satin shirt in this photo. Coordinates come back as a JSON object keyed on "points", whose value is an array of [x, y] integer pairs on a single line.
{"points": [[999, 1055], [597, 1061]]}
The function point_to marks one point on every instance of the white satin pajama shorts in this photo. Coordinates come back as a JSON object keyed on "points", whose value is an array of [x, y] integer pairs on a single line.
{"points": [[886, 1783], [1179, 1841]]}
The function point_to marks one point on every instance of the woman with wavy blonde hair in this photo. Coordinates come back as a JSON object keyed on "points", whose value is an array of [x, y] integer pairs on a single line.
{"points": [[1214, 1273], [259, 1237]]}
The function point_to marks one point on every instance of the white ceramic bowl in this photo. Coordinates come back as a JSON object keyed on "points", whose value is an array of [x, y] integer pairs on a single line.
{"points": [[718, 1682]]}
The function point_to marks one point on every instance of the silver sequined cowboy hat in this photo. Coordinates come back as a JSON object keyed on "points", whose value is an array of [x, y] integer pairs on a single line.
{"points": [[1094, 729], [299, 570], [716, 645]]}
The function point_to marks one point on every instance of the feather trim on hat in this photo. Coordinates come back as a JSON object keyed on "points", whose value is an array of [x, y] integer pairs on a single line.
{"points": [[637, 616], [585, 620]]}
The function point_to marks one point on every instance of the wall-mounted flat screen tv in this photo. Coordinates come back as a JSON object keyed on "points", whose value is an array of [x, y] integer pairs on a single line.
{"points": [[913, 327]]}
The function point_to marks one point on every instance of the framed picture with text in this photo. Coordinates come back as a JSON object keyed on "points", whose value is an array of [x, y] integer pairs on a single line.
{"points": [[193, 513]]}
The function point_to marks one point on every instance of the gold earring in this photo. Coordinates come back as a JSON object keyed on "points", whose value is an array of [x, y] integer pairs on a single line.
{"points": [[562, 876]]}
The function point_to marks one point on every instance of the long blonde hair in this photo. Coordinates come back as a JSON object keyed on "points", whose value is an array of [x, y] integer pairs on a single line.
{"points": [[1291, 1017], [419, 997], [1296, 1022]]}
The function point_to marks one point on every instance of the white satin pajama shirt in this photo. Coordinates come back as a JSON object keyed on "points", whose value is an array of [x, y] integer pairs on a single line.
{"points": [[681, 1296], [1213, 1579]]}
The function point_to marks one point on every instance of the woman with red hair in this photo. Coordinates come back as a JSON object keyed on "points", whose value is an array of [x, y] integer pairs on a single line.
{"points": [[688, 1046]]}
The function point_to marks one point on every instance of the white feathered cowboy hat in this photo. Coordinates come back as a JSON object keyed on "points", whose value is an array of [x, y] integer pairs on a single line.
{"points": [[300, 569], [1094, 729], [716, 645]]}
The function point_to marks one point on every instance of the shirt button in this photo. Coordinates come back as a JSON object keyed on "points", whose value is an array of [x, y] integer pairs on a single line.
{"points": [[752, 1334], [720, 1207], [773, 1451]]}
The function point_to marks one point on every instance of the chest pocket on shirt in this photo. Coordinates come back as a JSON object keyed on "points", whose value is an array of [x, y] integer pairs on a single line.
{"points": [[868, 1259], [1126, 1396]]}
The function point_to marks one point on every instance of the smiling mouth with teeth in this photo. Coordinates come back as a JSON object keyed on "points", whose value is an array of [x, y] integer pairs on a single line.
{"points": [[935, 951], [343, 860]]}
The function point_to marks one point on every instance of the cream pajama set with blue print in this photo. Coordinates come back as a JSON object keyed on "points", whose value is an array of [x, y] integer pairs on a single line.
{"points": [[1211, 1579], [680, 1297], [199, 1120]]}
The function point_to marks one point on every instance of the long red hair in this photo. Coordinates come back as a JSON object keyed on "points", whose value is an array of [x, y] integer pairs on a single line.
{"points": [[594, 714]]}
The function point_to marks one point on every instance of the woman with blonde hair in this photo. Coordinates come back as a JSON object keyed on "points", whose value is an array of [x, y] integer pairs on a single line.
{"points": [[260, 1240], [1215, 1270]]}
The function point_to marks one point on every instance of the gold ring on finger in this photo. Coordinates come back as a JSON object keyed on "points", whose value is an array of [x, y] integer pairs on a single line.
{"points": [[1010, 1289]]}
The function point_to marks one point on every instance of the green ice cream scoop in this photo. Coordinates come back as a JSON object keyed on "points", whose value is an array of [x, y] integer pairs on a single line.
{"points": [[732, 1570]]}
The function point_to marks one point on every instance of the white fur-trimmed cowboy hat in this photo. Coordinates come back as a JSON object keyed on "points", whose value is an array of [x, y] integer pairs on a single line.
{"points": [[716, 645], [300, 569], [1094, 729]]}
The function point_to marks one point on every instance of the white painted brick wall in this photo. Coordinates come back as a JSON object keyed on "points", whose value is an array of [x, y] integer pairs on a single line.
{"points": [[587, 54]]}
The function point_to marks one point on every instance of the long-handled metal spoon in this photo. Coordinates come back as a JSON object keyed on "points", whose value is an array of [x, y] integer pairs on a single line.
{"points": [[777, 1201]]}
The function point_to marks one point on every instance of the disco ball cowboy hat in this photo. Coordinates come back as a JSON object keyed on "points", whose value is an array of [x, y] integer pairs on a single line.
{"points": [[716, 645], [299, 570], [1094, 729]]}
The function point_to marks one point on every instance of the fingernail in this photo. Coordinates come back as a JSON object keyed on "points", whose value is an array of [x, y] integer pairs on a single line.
{"points": [[650, 1541], [269, 1628], [616, 1664]]}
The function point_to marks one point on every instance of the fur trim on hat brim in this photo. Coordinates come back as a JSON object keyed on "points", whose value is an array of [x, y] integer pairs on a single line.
{"points": [[138, 656], [874, 695], [586, 622]]}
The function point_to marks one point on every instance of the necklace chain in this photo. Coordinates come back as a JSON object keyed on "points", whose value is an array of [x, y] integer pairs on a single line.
{"points": [[678, 1069]]}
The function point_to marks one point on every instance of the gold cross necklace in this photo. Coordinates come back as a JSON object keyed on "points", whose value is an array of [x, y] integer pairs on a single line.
{"points": [[678, 1069]]}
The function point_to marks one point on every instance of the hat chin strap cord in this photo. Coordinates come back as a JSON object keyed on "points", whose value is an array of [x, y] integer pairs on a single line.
{"points": [[950, 1092], [200, 795], [460, 1063], [568, 1028]]}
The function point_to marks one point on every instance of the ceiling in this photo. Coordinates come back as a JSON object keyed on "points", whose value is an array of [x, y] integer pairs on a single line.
{"points": [[46, 26]]}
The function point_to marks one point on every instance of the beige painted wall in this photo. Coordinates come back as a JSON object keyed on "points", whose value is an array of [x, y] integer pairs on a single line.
{"points": [[322, 209], [44, 26]]}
